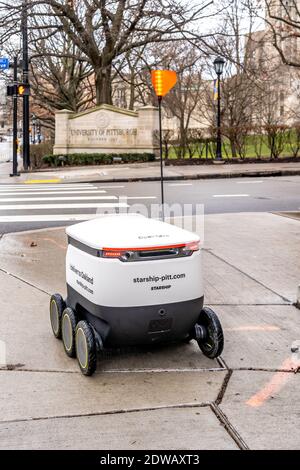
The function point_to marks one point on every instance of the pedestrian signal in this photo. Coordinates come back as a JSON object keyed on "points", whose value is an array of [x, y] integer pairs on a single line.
{"points": [[23, 89], [10, 90]]}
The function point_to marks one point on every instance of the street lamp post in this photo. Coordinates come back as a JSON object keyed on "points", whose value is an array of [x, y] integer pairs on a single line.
{"points": [[219, 66]]}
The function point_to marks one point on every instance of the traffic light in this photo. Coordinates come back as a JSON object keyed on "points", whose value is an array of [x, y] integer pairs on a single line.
{"points": [[20, 90], [10, 90], [23, 89]]}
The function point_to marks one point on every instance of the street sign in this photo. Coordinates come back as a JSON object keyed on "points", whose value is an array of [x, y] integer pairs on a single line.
{"points": [[4, 63]]}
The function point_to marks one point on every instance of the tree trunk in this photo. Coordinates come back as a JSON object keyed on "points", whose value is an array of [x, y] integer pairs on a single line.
{"points": [[233, 148], [132, 92], [182, 138], [103, 86]]}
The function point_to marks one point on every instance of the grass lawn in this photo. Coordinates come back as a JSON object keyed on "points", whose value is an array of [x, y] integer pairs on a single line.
{"points": [[251, 152]]}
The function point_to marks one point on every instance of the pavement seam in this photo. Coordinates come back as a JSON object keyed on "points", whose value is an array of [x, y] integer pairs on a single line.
{"points": [[229, 427], [19, 368], [25, 282], [247, 275], [223, 387], [262, 369], [112, 412]]}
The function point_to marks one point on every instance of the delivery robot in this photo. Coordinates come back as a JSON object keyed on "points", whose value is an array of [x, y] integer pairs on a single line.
{"points": [[132, 281]]}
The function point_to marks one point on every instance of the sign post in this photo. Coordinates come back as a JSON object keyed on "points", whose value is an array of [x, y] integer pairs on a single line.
{"points": [[163, 81], [15, 120], [26, 107]]}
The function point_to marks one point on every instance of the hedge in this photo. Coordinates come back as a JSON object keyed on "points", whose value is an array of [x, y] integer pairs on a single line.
{"points": [[96, 158]]}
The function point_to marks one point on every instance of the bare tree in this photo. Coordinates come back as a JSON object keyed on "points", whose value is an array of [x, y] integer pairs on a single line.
{"points": [[104, 30], [283, 19], [240, 87], [60, 81]]}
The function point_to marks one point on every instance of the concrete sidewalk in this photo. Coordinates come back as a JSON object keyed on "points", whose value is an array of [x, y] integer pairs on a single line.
{"points": [[151, 172], [169, 397]]}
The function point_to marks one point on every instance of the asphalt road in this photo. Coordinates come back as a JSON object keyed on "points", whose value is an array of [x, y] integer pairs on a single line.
{"points": [[29, 207]]}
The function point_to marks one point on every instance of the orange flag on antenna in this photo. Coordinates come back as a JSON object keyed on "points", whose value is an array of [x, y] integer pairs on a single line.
{"points": [[163, 81]]}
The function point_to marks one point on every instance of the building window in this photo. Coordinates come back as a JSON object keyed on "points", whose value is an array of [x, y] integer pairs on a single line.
{"points": [[281, 110]]}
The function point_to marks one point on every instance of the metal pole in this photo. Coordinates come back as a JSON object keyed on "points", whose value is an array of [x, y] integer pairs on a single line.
{"points": [[26, 110], [219, 138], [15, 121], [161, 159]]}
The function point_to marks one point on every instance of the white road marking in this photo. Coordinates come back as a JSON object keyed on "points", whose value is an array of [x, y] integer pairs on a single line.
{"points": [[43, 188], [59, 198], [249, 182], [43, 193], [140, 197], [48, 217], [24, 207], [180, 184], [43, 185], [110, 187], [231, 195]]}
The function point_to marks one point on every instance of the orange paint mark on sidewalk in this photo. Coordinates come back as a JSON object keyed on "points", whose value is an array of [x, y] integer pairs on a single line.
{"points": [[254, 328], [276, 383], [55, 243]]}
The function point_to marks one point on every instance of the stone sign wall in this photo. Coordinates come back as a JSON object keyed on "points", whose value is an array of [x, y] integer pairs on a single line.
{"points": [[106, 129]]}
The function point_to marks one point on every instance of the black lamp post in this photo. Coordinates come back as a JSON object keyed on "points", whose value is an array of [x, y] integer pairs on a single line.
{"points": [[219, 63]]}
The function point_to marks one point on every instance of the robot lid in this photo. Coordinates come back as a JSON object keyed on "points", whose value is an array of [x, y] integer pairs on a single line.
{"points": [[130, 232]]}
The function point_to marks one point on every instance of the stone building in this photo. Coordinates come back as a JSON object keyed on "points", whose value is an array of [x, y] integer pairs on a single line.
{"points": [[279, 82]]}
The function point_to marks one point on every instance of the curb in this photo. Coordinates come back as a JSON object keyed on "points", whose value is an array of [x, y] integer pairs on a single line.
{"points": [[250, 174]]}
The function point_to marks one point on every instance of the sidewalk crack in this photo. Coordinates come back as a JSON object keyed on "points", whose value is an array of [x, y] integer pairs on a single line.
{"points": [[25, 282], [246, 274], [229, 427], [224, 387]]}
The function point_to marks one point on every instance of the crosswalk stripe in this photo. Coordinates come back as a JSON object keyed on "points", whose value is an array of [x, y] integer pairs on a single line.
{"points": [[96, 205], [140, 197], [111, 187], [58, 198], [43, 193], [48, 217], [21, 203], [49, 186]]}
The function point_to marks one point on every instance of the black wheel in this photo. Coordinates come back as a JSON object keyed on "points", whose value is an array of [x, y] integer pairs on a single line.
{"points": [[85, 348], [68, 327], [57, 306], [213, 343]]}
